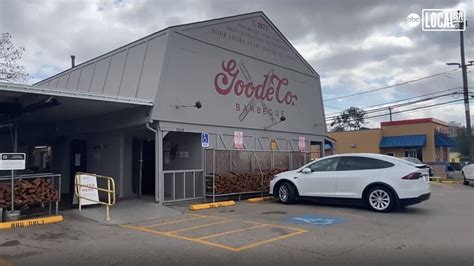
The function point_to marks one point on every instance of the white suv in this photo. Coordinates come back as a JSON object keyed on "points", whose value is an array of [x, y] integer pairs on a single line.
{"points": [[379, 181]]}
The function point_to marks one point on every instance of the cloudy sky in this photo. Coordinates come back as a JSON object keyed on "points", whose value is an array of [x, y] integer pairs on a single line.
{"points": [[354, 45]]}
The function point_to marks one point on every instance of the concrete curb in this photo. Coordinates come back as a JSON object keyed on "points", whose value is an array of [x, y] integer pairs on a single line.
{"points": [[203, 206], [261, 199]]}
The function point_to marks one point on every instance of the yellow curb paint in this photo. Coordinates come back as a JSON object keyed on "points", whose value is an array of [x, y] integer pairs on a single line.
{"points": [[197, 207], [441, 185], [31, 222], [256, 200]]}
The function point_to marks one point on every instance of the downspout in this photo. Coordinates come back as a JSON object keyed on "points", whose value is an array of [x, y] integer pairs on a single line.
{"points": [[158, 185]]}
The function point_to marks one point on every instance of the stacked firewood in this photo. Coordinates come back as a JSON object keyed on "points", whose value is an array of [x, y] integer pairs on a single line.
{"points": [[239, 182], [28, 192]]}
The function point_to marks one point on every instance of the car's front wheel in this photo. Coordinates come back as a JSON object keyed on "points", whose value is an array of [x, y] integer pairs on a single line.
{"points": [[286, 193], [381, 199]]}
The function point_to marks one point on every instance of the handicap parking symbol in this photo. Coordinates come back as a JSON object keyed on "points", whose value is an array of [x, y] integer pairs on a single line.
{"points": [[205, 140], [316, 220]]}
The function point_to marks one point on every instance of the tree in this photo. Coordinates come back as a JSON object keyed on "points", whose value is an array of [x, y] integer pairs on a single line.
{"points": [[462, 147], [10, 69], [352, 118]]}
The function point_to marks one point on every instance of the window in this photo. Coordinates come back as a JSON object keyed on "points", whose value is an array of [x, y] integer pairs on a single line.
{"points": [[325, 165], [361, 163]]}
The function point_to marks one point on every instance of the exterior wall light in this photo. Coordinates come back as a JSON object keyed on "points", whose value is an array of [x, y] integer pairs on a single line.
{"points": [[282, 118], [197, 104]]}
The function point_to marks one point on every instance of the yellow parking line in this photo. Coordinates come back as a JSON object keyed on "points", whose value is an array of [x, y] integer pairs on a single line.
{"points": [[442, 185], [233, 231], [270, 240], [183, 238], [173, 222], [197, 227]]}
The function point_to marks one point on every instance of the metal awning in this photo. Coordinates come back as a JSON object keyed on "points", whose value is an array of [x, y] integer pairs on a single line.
{"points": [[40, 104], [403, 141], [444, 141]]}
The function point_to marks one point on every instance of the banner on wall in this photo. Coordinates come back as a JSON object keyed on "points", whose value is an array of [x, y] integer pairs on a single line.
{"points": [[238, 140], [301, 143]]}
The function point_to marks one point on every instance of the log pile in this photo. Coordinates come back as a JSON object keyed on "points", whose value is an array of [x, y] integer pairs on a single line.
{"points": [[28, 192], [239, 182]]}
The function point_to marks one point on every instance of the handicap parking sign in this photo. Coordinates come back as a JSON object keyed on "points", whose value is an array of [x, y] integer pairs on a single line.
{"points": [[316, 220], [205, 140]]}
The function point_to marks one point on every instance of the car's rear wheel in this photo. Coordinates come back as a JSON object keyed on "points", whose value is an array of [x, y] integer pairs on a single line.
{"points": [[286, 193], [380, 199]]}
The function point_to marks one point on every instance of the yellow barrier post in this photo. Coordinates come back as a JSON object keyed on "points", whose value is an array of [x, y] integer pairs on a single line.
{"points": [[111, 199]]}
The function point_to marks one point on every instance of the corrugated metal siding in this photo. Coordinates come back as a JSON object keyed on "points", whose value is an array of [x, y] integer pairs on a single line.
{"points": [[131, 71]]}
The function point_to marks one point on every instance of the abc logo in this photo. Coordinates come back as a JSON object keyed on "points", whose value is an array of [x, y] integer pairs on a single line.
{"points": [[413, 19]]}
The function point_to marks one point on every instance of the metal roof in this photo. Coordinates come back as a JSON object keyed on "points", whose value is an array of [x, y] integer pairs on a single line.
{"points": [[27, 89], [403, 141]]}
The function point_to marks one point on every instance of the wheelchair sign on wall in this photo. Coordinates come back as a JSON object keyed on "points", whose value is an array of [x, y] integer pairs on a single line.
{"points": [[205, 140], [316, 220]]}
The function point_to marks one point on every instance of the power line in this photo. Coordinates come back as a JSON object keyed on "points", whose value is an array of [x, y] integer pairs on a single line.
{"points": [[433, 106], [401, 100], [384, 108], [391, 86]]}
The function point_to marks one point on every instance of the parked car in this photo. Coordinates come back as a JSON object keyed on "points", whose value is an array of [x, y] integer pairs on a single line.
{"points": [[419, 164], [468, 173], [381, 182]]}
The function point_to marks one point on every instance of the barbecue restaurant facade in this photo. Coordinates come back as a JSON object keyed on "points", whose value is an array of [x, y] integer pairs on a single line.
{"points": [[137, 113]]}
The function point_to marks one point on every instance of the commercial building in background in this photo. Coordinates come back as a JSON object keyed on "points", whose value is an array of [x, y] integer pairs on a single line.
{"points": [[426, 139], [144, 112]]}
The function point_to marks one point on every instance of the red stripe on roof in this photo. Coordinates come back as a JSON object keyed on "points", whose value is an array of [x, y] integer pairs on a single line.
{"points": [[408, 122]]}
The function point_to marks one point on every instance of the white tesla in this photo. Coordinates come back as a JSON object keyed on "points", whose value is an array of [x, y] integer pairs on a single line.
{"points": [[381, 182]]}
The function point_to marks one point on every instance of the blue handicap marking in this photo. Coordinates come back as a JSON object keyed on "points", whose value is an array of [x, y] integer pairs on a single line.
{"points": [[204, 140], [316, 220]]}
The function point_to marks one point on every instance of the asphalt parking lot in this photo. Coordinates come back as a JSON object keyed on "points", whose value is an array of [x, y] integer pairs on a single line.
{"points": [[437, 232]]}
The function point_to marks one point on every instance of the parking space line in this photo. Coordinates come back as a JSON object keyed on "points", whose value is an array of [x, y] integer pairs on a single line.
{"points": [[232, 231], [174, 222], [300, 231], [182, 238], [197, 227], [202, 239], [442, 185]]}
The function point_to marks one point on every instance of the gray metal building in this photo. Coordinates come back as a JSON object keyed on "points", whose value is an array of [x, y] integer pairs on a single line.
{"points": [[133, 114]]}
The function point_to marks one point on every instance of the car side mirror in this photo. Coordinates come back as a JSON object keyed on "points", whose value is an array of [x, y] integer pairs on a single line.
{"points": [[306, 170]]}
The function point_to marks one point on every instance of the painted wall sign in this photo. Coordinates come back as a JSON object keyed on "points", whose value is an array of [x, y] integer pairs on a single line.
{"points": [[205, 140], [12, 161], [316, 220], [301, 143], [238, 140]]}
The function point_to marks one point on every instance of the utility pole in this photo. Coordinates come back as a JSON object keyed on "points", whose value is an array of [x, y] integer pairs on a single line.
{"points": [[463, 67], [390, 110]]}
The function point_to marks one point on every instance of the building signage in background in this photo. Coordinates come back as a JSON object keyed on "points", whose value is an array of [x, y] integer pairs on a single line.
{"points": [[238, 140], [12, 161], [301, 143], [205, 140], [90, 193]]}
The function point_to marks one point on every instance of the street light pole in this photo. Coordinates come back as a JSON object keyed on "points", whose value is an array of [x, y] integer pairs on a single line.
{"points": [[463, 67], [466, 94]]}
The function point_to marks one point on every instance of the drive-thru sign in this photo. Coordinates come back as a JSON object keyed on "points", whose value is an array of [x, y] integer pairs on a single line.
{"points": [[12, 161]]}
